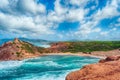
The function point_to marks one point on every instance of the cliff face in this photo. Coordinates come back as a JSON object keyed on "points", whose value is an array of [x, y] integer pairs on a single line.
{"points": [[107, 69], [16, 50]]}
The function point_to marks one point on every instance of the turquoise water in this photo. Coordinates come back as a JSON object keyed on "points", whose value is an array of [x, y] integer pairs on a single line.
{"points": [[43, 68]]}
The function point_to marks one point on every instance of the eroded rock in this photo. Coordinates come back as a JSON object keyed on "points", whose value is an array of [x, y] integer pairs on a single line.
{"points": [[107, 70]]}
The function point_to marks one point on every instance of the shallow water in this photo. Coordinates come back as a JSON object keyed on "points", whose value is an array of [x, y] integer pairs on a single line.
{"points": [[43, 68]]}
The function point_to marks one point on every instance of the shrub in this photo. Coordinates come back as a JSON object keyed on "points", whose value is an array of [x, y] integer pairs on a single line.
{"points": [[18, 54]]}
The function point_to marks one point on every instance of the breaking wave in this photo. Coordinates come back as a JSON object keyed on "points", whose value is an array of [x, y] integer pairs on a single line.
{"points": [[43, 68]]}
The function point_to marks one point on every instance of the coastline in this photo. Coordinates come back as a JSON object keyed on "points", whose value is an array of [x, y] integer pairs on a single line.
{"points": [[76, 54], [96, 54]]}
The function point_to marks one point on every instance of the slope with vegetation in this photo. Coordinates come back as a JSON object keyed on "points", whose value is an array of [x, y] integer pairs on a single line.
{"points": [[86, 47], [17, 49]]}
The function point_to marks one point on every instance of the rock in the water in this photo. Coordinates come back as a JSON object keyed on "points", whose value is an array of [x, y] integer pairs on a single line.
{"points": [[110, 58]]}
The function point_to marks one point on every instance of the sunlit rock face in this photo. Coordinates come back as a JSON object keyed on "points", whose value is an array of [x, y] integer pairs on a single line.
{"points": [[106, 69], [17, 50]]}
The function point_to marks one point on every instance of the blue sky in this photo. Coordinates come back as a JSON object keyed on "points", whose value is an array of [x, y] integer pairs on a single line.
{"points": [[60, 19]]}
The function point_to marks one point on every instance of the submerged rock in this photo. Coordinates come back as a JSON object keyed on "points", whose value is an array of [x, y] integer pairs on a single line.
{"points": [[109, 69]]}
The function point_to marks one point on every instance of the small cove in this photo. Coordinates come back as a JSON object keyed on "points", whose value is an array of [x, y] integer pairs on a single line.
{"points": [[52, 67]]}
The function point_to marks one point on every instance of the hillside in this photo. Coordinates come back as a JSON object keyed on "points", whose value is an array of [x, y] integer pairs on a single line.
{"points": [[85, 47], [17, 50]]}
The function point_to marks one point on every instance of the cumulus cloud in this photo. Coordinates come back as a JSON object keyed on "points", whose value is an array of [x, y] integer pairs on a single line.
{"points": [[92, 25], [78, 2], [30, 6], [28, 16], [4, 3], [107, 11], [22, 24], [75, 15]]}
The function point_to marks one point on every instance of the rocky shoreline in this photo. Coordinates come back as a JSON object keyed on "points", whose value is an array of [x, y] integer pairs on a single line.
{"points": [[106, 69]]}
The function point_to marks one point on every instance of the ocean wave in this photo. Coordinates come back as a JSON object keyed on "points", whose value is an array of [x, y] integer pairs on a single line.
{"points": [[10, 64], [42, 68], [51, 75], [43, 63]]}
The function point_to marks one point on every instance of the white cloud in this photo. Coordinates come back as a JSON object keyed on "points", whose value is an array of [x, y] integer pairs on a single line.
{"points": [[78, 2], [30, 6], [104, 33], [108, 32], [3, 3], [62, 13], [75, 15], [107, 11], [35, 24], [22, 24], [28, 16], [90, 24], [59, 9]]}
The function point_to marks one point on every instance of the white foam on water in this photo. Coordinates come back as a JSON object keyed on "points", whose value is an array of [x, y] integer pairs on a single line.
{"points": [[44, 63], [59, 74], [10, 64], [46, 76]]}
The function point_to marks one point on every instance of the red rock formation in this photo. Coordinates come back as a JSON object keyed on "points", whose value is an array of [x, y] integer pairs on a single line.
{"points": [[110, 58], [107, 70], [17, 50]]}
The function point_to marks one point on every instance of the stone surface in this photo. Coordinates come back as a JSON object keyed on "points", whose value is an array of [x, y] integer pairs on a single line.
{"points": [[110, 58], [107, 70], [17, 50]]}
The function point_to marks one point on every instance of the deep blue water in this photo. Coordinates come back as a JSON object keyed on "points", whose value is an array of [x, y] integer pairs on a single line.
{"points": [[43, 68]]}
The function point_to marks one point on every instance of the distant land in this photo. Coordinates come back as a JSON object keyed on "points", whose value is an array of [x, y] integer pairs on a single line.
{"points": [[18, 49]]}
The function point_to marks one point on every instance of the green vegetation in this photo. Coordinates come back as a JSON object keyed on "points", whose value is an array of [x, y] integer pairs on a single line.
{"points": [[17, 46], [18, 54], [13, 42], [27, 47], [88, 47], [74, 47], [40, 49]]}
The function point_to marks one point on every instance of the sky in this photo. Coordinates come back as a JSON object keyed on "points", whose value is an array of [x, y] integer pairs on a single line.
{"points": [[60, 19]]}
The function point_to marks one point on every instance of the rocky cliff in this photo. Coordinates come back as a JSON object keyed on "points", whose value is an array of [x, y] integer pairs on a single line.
{"points": [[106, 69], [17, 50]]}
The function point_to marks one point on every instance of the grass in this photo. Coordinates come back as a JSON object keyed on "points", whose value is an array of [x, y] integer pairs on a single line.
{"points": [[88, 47], [78, 46], [18, 54], [27, 47]]}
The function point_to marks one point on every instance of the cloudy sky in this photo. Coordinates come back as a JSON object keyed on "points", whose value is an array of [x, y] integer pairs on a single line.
{"points": [[60, 19]]}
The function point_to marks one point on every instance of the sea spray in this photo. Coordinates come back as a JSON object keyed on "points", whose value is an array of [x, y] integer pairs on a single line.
{"points": [[54, 67]]}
